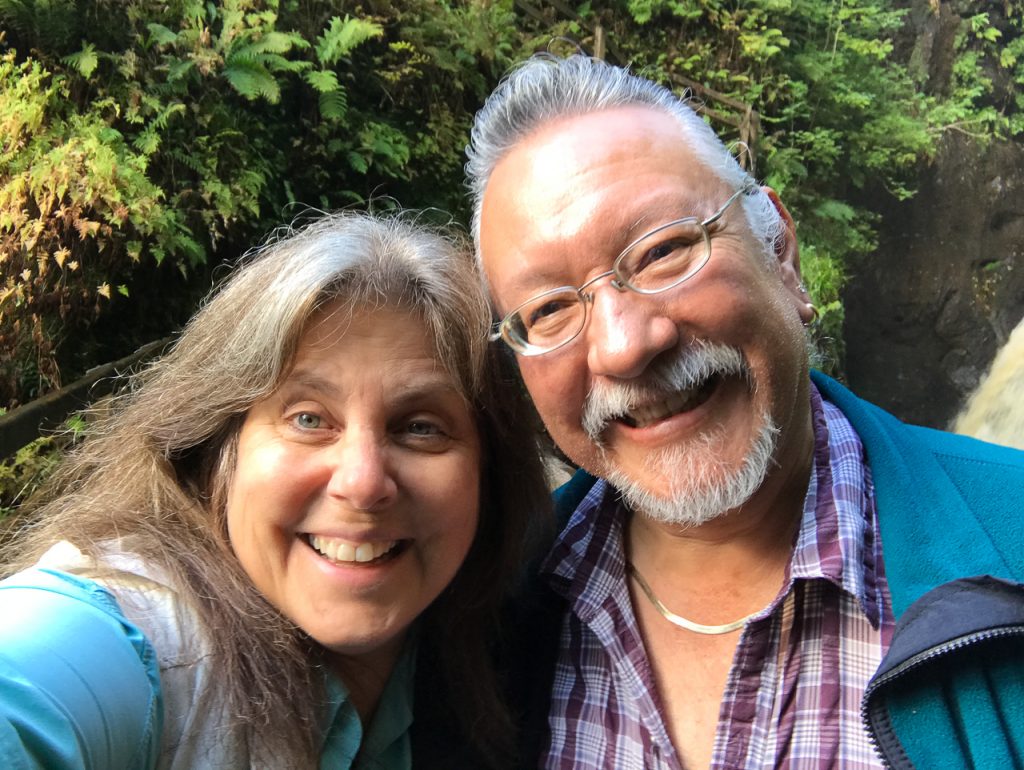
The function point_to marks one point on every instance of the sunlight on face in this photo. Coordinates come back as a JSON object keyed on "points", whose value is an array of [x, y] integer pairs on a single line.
{"points": [[356, 493]]}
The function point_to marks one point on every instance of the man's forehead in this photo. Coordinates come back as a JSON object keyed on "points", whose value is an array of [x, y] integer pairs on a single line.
{"points": [[586, 154]]}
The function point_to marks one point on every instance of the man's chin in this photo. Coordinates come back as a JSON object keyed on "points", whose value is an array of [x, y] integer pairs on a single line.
{"points": [[683, 509], [693, 486]]}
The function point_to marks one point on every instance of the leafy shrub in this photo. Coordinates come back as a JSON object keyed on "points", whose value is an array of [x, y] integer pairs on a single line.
{"points": [[847, 118], [22, 474], [135, 157]]}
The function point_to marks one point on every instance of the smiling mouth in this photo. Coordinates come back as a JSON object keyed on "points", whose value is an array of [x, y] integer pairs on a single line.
{"points": [[340, 551], [676, 403]]}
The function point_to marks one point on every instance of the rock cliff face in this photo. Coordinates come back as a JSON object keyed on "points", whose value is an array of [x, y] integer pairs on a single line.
{"points": [[927, 313]]}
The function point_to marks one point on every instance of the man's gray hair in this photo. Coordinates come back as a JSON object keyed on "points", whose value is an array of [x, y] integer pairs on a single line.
{"points": [[545, 88]]}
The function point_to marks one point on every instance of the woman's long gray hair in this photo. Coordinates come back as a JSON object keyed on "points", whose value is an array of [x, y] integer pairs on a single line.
{"points": [[155, 467]]}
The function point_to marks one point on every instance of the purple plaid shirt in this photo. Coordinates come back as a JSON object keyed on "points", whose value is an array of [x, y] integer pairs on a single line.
{"points": [[792, 698]]}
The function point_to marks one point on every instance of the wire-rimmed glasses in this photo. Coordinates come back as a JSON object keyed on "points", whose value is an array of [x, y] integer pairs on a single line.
{"points": [[657, 261]]}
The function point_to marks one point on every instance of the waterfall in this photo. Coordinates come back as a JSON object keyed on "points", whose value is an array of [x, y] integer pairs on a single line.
{"points": [[995, 411]]}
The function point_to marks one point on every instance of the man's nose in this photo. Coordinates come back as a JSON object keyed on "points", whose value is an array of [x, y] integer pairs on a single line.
{"points": [[626, 331], [361, 475]]}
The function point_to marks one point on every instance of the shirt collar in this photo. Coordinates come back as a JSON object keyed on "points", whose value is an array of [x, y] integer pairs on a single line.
{"points": [[587, 561], [386, 739], [836, 541]]}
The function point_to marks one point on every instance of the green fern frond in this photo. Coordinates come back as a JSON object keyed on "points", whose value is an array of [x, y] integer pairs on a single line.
{"points": [[276, 63], [160, 122], [252, 80], [334, 104], [342, 36], [186, 159], [291, 65], [243, 52], [279, 42], [322, 81], [109, 135], [84, 61], [42, 24], [147, 142], [179, 69], [161, 35]]}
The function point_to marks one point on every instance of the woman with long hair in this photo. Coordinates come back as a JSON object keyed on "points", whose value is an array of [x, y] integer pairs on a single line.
{"points": [[287, 544]]}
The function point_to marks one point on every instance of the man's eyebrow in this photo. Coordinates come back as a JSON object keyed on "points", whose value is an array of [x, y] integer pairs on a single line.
{"points": [[666, 211]]}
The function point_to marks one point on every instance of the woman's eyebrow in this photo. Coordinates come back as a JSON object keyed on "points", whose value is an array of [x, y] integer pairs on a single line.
{"points": [[308, 379], [440, 386], [429, 385]]}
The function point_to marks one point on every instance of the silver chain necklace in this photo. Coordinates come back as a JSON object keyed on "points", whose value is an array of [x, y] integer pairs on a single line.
{"points": [[679, 620]]}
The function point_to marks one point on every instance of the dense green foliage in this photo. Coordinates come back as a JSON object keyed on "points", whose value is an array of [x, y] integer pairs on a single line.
{"points": [[850, 107], [144, 143]]}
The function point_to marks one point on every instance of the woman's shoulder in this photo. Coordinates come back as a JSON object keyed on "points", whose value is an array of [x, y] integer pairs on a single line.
{"points": [[77, 678]]}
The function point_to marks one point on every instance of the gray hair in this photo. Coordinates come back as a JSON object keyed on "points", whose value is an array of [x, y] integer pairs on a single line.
{"points": [[155, 467], [545, 88], [235, 351]]}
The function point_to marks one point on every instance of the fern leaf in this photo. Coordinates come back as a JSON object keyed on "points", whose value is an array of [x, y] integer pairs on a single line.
{"points": [[279, 42], [333, 104], [273, 62], [187, 159], [342, 36], [84, 61], [179, 69], [322, 81], [357, 162], [251, 80], [147, 142], [161, 35], [243, 52]]}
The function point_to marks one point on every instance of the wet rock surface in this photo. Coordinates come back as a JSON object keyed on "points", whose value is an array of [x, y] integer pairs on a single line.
{"points": [[926, 314]]}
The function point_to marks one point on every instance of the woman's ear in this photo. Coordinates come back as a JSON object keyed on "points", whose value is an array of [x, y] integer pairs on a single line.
{"points": [[787, 253]]}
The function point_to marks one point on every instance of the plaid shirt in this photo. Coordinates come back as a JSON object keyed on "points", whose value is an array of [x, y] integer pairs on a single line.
{"points": [[792, 698]]}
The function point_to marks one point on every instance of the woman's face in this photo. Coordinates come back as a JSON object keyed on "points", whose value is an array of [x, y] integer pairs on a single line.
{"points": [[356, 493]]}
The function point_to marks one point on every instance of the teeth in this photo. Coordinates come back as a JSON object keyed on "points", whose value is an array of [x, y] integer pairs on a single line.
{"points": [[678, 402], [681, 401], [343, 551]]}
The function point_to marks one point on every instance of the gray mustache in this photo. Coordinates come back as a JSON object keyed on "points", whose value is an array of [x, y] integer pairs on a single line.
{"points": [[694, 365]]}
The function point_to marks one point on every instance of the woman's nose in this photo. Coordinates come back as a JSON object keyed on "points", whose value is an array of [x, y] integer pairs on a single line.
{"points": [[361, 475]]}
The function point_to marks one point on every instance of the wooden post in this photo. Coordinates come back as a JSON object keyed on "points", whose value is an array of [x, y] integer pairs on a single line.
{"points": [[28, 422], [598, 41]]}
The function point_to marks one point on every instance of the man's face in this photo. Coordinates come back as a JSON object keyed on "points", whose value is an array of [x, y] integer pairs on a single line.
{"points": [[558, 209]]}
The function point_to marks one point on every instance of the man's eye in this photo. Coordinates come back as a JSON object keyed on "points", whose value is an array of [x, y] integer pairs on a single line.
{"points": [[677, 251], [547, 311], [307, 421]]}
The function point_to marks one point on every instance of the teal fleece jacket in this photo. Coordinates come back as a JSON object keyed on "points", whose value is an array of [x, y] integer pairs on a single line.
{"points": [[950, 692]]}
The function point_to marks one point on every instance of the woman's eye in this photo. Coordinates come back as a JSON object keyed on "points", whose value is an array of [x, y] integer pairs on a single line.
{"points": [[307, 421], [423, 429]]}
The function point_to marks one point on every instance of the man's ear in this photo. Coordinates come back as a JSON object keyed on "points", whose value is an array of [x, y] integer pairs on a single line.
{"points": [[787, 253]]}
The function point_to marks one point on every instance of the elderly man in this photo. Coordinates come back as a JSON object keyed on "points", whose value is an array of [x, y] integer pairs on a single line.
{"points": [[768, 571]]}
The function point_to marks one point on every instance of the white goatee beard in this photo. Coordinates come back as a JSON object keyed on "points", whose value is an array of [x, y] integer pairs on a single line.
{"points": [[701, 486]]}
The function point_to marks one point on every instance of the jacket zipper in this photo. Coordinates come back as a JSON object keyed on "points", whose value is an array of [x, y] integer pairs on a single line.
{"points": [[909, 664]]}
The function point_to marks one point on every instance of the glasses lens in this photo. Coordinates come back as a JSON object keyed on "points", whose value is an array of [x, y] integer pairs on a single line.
{"points": [[546, 321], [665, 257]]}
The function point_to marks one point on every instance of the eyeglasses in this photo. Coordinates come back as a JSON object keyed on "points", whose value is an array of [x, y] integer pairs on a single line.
{"points": [[657, 261]]}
